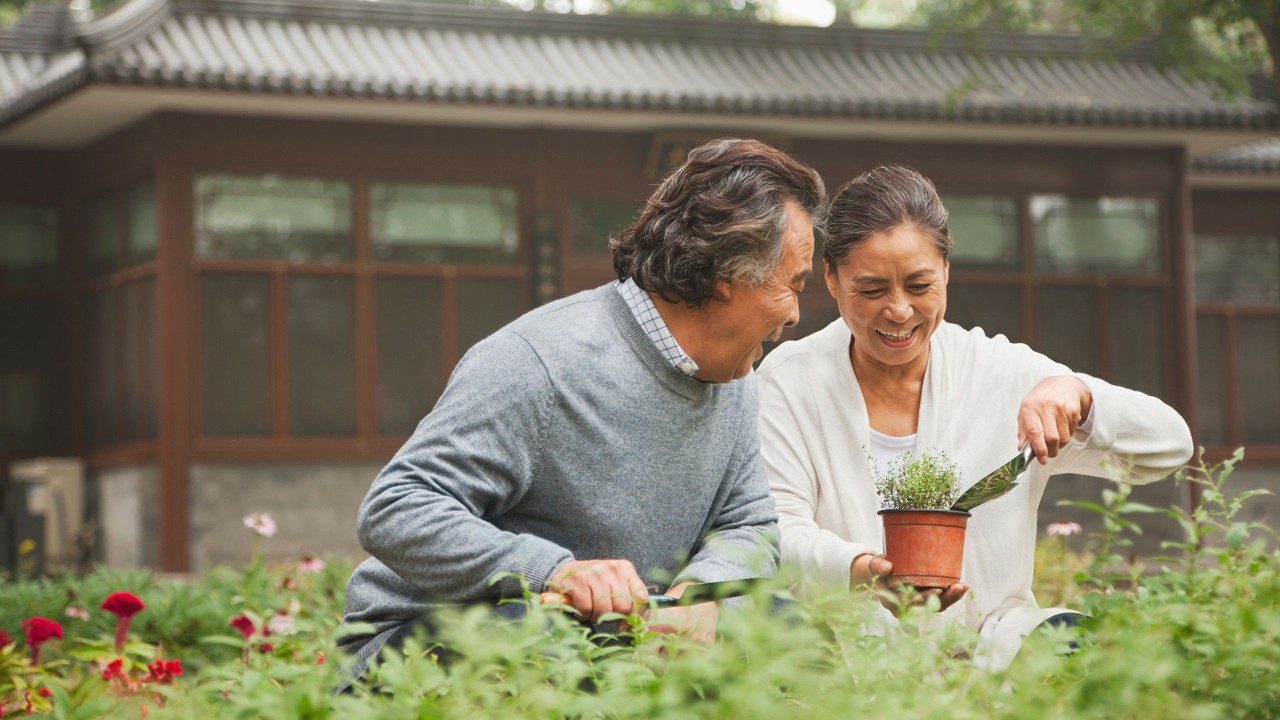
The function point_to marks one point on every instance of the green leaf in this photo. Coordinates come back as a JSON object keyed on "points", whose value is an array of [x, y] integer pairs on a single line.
{"points": [[1236, 535]]}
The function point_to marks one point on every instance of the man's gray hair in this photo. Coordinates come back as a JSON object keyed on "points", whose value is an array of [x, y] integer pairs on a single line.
{"points": [[719, 217]]}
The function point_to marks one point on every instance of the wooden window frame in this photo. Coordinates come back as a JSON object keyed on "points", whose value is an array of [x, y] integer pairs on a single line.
{"points": [[366, 443], [1239, 212], [112, 283], [1029, 279], [1229, 313]]}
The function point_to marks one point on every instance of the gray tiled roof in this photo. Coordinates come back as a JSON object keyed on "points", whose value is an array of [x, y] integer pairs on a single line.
{"points": [[453, 54], [1260, 157]]}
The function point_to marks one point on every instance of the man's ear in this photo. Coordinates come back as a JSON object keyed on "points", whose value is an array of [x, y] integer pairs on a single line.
{"points": [[723, 291]]}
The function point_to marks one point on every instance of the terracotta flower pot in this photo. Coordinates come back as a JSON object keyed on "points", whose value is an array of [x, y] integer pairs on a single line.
{"points": [[926, 547]]}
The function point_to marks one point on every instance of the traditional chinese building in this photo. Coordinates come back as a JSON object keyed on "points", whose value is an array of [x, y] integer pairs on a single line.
{"points": [[242, 243]]}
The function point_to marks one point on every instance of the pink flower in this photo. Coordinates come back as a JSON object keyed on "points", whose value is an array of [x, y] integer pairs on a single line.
{"points": [[40, 630], [244, 625], [78, 613], [282, 624], [124, 606], [261, 523], [311, 564], [1063, 528]]}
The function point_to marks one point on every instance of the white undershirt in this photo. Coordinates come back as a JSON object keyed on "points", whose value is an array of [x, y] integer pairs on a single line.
{"points": [[887, 448]]}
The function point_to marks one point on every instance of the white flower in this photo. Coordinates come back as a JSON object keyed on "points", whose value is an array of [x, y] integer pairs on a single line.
{"points": [[1063, 528], [76, 612], [261, 523]]}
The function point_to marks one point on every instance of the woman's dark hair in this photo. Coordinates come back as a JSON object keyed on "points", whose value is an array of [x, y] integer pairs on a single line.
{"points": [[879, 200], [720, 216]]}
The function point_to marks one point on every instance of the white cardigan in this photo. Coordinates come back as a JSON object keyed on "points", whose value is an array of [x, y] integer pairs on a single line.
{"points": [[815, 444]]}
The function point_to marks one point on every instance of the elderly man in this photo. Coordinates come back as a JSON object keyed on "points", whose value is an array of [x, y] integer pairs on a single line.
{"points": [[605, 444]]}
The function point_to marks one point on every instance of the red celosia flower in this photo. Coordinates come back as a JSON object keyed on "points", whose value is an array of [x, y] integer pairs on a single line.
{"points": [[164, 671], [5, 639], [114, 670], [40, 630], [265, 648], [244, 625], [124, 606]]}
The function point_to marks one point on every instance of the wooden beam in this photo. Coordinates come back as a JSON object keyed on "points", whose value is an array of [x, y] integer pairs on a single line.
{"points": [[174, 285]]}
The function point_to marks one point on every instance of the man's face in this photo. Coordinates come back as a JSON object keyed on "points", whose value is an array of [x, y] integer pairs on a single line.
{"points": [[753, 314]]}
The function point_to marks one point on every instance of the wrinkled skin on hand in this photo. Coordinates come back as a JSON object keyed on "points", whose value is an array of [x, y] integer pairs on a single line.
{"points": [[876, 572], [1050, 414], [596, 588], [696, 622]]}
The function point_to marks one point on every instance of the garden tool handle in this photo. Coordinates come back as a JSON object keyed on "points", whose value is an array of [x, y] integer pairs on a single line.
{"points": [[560, 600]]}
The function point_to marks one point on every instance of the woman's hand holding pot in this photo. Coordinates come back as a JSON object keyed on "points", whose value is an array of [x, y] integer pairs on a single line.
{"points": [[876, 571]]}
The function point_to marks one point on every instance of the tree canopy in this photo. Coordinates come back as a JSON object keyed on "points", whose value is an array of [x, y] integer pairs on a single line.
{"points": [[1219, 40]]}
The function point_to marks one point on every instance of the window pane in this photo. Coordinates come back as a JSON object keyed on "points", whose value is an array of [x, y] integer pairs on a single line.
{"points": [[1137, 351], [1213, 378], [272, 217], [28, 359], [142, 223], [139, 345], [1238, 268], [985, 230], [101, 349], [104, 236], [997, 309], [485, 306], [131, 350], [592, 222], [28, 245], [409, 335], [1067, 329], [1258, 359], [150, 362], [1096, 234], [414, 222], [322, 356], [235, 361]]}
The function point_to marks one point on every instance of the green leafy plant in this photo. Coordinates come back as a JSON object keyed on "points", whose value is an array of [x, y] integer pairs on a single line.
{"points": [[928, 480], [1192, 636]]}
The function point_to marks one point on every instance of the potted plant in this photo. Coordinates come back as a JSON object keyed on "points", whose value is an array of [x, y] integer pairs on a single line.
{"points": [[923, 536]]}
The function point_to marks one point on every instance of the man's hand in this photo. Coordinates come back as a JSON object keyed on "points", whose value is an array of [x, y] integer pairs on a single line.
{"points": [[1050, 414], [876, 570], [598, 587], [696, 622]]}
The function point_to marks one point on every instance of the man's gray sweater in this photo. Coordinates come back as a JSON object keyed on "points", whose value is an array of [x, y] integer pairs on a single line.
{"points": [[565, 435]]}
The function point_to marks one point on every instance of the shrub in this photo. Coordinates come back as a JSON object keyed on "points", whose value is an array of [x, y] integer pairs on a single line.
{"points": [[1197, 639], [928, 480]]}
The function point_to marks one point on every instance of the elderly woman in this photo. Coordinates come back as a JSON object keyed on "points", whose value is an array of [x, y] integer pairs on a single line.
{"points": [[892, 375]]}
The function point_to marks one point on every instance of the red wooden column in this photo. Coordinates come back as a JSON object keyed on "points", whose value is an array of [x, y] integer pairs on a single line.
{"points": [[174, 287], [1186, 357]]}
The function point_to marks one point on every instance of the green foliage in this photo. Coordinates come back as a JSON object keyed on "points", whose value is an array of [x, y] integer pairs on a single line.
{"points": [[928, 480], [1194, 637], [1221, 41]]}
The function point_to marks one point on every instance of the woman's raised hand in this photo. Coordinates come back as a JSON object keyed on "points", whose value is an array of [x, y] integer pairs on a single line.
{"points": [[1050, 414]]}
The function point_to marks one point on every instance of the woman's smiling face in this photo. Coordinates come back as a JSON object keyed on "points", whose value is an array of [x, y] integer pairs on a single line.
{"points": [[892, 293]]}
